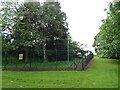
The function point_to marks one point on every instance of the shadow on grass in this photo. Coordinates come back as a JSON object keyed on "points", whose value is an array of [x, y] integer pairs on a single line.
{"points": [[112, 61]]}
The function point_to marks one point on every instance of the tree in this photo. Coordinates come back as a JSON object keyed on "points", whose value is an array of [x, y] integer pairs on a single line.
{"points": [[39, 29], [35, 25], [7, 14], [28, 27], [55, 28], [107, 40]]}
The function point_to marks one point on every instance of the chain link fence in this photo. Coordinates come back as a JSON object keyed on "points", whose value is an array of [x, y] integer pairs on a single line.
{"points": [[50, 60]]}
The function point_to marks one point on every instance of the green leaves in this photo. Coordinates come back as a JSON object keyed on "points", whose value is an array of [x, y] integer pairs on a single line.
{"points": [[33, 26], [107, 41]]}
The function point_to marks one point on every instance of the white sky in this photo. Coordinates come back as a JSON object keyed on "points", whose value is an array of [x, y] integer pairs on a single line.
{"points": [[84, 18]]}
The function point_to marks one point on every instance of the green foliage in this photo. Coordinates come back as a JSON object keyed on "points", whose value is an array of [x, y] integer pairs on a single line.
{"points": [[107, 41], [7, 11], [28, 26]]}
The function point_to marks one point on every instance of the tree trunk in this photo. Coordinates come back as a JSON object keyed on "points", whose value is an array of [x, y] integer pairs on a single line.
{"points": [[44, 53], [26, 53], [82, 63]]}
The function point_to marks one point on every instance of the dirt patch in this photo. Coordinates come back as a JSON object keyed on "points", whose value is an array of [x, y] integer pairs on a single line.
{"points": [[90, 64], [39, 69]]}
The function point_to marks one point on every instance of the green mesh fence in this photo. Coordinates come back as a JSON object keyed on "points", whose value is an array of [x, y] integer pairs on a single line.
{"points": [[48, 61]]}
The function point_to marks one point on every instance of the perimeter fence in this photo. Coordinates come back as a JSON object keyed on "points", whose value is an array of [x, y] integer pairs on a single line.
{"points": [[49, 60]]}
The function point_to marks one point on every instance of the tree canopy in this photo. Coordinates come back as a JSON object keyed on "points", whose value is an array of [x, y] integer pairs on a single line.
{"points": [[107, 41], [33, 28]]}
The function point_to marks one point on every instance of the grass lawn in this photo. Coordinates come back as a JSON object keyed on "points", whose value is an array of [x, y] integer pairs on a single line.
{"points": [[103, 74], [40, 65]]}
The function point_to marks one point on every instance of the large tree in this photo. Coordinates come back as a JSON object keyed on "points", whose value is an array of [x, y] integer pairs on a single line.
{"points": [[7, 12], [39, 30], [55, 28], [28, 28], [107, 41], [34, 25]]}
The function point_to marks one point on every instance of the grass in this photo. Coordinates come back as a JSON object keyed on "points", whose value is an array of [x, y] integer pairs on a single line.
{"points": [[39, 65], [103, 74]]}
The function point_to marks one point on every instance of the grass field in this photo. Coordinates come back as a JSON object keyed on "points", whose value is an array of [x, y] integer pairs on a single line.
{"points": [[38, 65], [103, 74]]}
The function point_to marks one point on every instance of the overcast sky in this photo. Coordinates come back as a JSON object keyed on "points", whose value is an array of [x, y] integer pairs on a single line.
{"points": [[83, 17]]}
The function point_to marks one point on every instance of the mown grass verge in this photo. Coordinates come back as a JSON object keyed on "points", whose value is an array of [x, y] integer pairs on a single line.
{"points": [[103, 74]]}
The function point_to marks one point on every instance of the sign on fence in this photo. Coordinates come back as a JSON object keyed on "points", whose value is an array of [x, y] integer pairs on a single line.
{"points": [[20, 56]]}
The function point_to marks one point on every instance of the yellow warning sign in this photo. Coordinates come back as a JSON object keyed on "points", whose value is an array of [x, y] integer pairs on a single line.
{"points": [[20, 56]]}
